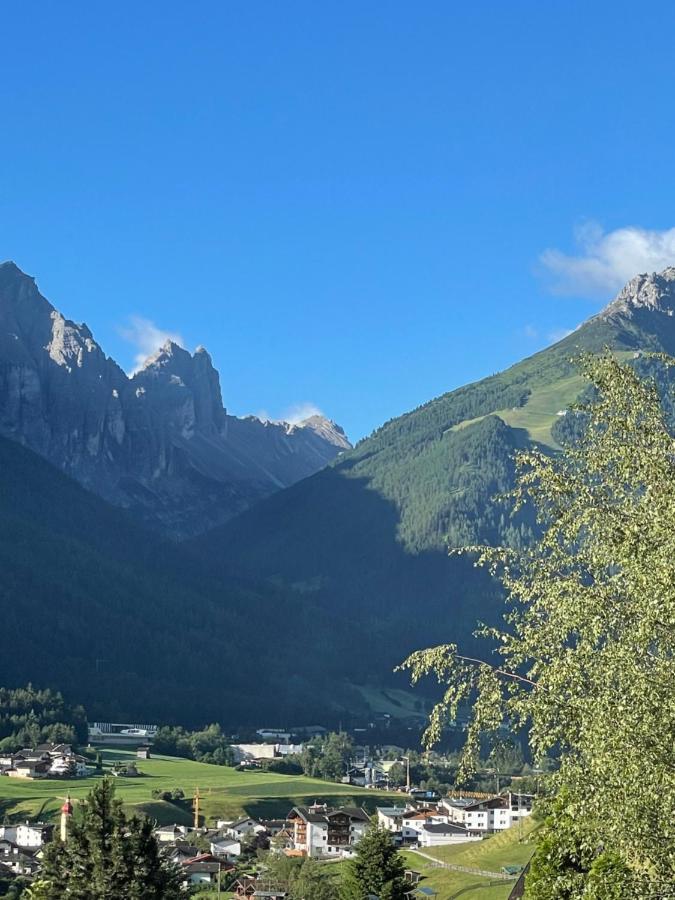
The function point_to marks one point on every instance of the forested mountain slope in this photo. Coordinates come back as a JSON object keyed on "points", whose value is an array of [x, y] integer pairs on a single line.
{"points": [[368, 536], [133, 627], [325, 584]]}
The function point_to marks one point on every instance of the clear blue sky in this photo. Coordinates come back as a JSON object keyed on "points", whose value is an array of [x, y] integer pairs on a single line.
{"points": [[346, 202]]}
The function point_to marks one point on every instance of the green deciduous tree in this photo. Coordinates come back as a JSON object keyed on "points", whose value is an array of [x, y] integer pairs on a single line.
{"points": [[376, 869], [586, 658], [107, 856], [302, 879]]}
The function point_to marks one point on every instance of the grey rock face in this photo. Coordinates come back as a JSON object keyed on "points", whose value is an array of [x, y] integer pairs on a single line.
{"points": [[161, 442], [653, 292]]}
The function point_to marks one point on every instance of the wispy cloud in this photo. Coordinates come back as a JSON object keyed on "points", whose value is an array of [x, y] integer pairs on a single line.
{"points": [[605, 261], [299, 412], [147, 338], [294, 414]]}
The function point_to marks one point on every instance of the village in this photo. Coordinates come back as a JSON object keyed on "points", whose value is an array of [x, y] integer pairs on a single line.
{"points": [[227, 852]]}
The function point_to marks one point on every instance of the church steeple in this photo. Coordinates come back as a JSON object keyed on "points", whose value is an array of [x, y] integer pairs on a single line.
{"points": [[66, 813]]}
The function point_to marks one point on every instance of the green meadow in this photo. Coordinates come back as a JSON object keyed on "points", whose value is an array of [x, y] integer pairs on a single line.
{"points": [[225, 793], [510, 848]]}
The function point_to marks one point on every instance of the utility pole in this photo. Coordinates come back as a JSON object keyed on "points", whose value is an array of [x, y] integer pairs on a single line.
{"points": [[195, 804], [407, 773]]}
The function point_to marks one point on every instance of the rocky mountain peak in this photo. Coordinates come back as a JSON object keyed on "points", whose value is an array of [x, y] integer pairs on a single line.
{"points": [[649, 292], [326, 429], [160, 442]]}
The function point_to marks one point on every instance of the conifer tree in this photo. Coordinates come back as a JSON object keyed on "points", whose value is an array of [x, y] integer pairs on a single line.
{"points": [[107, 856], [377, 869]]}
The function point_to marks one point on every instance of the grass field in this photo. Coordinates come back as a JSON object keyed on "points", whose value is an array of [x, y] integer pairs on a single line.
{"points": [[513, 847], [539, 414], [225, 793]]}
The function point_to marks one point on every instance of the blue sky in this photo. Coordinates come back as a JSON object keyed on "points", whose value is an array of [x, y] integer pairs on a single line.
{"points": [[353, 205]]}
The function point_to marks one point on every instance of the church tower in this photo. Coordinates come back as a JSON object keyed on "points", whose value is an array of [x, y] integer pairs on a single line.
{"points": [[66, 813]]}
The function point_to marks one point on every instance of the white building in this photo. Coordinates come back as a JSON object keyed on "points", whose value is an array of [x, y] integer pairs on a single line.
{"points": [[319, 831], [497, 813], [250, 752], [243, 827], [169, 833], [69, 765], [391, 817], [455, 806], [443, 833], [225, 848], [413, 822], [33, 835]]}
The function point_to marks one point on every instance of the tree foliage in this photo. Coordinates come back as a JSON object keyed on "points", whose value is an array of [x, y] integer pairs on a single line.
{"points": [[327, 757], [376, 869], [107, 855], [29, 716], [586, 656], [302, 879], [208, 745]]}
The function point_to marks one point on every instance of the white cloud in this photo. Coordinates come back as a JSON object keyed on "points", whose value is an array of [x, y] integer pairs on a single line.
{"points": [[607, 260], [531, 332], [299, 412], [294, 414], [147, 338]]}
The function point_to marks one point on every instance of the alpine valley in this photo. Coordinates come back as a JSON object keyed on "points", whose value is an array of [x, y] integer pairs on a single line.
{"points": [[192, 566]]}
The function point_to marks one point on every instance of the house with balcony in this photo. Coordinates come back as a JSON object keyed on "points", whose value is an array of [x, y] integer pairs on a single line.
{"points": [[320, 831]]}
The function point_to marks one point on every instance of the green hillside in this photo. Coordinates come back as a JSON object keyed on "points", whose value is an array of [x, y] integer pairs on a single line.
{"points": [[510, 848], [297, 611], [134, 628], [369, 534]]}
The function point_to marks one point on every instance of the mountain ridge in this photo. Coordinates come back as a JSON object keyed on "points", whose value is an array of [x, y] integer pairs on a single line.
{"points": [[323, 585], [160, 441], [370, 533]]}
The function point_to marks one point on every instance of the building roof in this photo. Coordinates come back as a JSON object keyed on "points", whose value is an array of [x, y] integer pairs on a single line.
{"points": [[444, 828], [194, 867], [322, 815], [459, 802], [490, 803], [354, 812]]}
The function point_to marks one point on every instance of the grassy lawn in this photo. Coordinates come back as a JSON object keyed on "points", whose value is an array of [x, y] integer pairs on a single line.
{"points": [[225, 793], [509, 848], [512, 847]]}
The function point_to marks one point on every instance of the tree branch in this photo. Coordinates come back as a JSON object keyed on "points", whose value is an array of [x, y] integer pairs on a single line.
{"points": [[496, 670]]}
